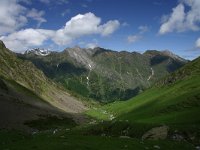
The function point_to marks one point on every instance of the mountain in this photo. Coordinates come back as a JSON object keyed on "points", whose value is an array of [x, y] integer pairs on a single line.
{"points": [[38, 51], [106, 75], [32, 102], [174, 101], [27, 92]]}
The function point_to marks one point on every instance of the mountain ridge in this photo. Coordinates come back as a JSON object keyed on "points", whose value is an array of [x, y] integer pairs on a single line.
{"points": [[103, 74]]}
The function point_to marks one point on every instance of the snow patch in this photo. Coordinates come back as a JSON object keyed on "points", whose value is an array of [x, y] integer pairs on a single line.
{"points": [[38, 51], [88, 80], [152, 74], [90, 66]]}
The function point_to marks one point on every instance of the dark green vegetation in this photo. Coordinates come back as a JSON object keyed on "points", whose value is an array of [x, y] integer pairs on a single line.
{"points": [[51, 122], [105, 75], [60, 141]]}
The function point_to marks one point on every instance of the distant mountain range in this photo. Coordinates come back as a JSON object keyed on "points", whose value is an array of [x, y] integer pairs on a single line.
{"points": [[104, 75]]}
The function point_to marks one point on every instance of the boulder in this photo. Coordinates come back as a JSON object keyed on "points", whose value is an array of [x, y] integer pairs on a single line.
{"points": [[157, 133]]}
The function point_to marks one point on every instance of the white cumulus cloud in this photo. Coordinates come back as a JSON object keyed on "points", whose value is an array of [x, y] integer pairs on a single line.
{"points": [[109, 27], [12, 16], [91, 45], [82, 25], [198, 43], [182, 19], [24, 39], [78, 26]]}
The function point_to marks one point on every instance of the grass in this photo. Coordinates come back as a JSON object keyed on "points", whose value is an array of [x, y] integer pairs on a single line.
{"points": [[51, 122], [172, 105], [176, 105], [179, 99], [65, 140]]}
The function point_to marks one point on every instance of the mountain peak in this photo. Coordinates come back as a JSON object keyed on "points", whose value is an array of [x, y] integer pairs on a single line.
{"points": [[172, 55], [38, 51], [165, 53]]}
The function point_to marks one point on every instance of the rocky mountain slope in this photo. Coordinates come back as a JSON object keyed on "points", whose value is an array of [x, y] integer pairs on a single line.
{"points": [[18, 105], [26, 91], [106, 75]]}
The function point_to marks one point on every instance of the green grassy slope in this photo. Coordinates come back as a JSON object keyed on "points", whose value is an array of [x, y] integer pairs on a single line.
{"points": [[173, 101], [177, 92], [180, 97]]}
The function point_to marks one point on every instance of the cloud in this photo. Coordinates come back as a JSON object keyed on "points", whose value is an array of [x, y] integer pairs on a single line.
{"points": [[91, 45], [133, 38], [27, 2], [59, 2], [175, 21], [82, 25], [21, 40], [182, 19], [198, 43], [109, 27], [143, 29], [78, 26], [136, 37], [37, 15], [125, 24], [84, 5], [45, 1], [67, 11], [12, 16]]}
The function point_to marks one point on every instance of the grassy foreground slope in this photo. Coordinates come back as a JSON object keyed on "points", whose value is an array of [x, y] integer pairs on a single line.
{"points": [[60, 141], [174, 102]]}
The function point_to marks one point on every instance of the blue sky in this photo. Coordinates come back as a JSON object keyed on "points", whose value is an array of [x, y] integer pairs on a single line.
{"points": [[132, 25]]}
